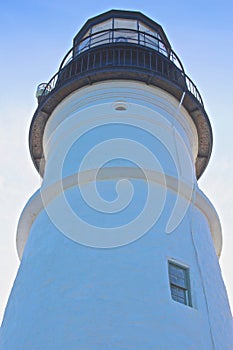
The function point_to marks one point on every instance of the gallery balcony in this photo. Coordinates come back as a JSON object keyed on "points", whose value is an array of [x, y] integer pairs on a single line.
{"points": [[121, 45]]}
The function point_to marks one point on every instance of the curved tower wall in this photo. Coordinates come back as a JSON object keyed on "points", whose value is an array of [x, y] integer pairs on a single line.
{"points": [[74, 295]]}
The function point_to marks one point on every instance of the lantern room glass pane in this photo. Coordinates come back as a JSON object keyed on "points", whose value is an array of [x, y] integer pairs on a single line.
{"points": [[101, 33], [106, 25], [101, 38], [146, 29], [148, 37], [85, 42], [125, 30], [125, 36], [125, 23]]}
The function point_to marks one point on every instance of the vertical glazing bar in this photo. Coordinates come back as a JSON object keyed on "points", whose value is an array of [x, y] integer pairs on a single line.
{"points": [[113, 30], [89, 44], [138, 32]]}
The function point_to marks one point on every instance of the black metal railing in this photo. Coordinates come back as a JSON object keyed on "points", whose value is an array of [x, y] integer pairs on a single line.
{"points": [[156, 60], [121, 35]]}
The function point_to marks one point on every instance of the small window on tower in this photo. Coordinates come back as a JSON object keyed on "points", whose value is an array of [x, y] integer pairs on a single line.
{"points": [[179, 283]]}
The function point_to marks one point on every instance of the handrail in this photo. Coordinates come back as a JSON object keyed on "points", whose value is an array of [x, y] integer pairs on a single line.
{"points": [[160, 46], [153, 62]]}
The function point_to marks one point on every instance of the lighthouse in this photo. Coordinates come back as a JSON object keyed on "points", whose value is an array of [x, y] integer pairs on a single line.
{"points": [[119, 247]]}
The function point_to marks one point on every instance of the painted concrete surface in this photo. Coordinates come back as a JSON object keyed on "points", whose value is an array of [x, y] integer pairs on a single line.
{"points": [[118, 298], [78, 296]]}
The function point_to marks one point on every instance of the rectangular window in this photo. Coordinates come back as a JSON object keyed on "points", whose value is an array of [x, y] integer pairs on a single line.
{"points": [[179, 283]]}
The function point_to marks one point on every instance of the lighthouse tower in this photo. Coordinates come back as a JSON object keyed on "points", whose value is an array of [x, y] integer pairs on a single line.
{"points": [[119, 247]]}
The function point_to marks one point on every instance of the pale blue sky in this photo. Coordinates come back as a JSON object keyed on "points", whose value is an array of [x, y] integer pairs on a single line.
{"points": [[35, 35]]}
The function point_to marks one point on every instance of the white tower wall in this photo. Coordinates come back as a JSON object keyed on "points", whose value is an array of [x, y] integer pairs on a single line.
{"points": [[94, 272]]}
